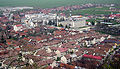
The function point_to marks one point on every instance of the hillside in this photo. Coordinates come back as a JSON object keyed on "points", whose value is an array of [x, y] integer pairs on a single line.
{"points": [[51, 3]]}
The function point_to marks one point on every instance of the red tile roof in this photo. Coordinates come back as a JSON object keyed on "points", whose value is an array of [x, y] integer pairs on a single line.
{"points": [[93, 57], [19, 25], [62, 49]]}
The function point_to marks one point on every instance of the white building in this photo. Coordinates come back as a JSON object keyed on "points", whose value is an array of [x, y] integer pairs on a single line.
{"points": [[30, 23], [42, 19], [74, 21], [18, 27]]}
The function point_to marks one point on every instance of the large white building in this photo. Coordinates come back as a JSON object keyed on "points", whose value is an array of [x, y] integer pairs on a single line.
{"points": [[74, 21], [41, 18], [45, 19]]}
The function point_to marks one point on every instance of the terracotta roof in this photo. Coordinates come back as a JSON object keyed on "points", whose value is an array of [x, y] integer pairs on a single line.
{"points": [[19, 25], [62, 49], [39, 45], [34, 58], [67, 56], [93, 57], [53, 48], [40, 52], [42, 63]]}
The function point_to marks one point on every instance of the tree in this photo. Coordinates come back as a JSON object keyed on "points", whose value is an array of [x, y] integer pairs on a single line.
{"points": [[60, 25], [93, 23], [13, 18], [50, 23], [66, 26], [8, 28], [71, 52], [2, 39], [58, 59]]}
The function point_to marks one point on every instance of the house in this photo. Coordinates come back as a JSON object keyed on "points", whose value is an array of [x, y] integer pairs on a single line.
{"points": [[63, 60], [18, 27]]}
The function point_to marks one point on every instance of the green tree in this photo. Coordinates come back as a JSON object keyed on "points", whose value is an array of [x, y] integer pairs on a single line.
{"points": [[60, 25], [58, 59], [93, 23], [2, 39], [66, 26]]}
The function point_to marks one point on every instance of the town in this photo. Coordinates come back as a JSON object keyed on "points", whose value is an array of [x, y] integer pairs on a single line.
{"points": [[51, 39]]}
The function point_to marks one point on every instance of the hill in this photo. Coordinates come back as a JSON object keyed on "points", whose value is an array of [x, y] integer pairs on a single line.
{"points": [[51, 3]]}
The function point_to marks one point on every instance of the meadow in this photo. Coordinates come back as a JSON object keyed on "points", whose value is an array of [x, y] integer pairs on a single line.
{"points": [[51, 3], [91, 11]]}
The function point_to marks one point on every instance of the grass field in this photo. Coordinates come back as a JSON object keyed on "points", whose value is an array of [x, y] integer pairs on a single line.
{"points": [[91, 11], [51, 3]]}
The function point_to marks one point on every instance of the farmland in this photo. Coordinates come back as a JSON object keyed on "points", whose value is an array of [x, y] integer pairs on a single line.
{"points": [[51, 3], [91, 11]]}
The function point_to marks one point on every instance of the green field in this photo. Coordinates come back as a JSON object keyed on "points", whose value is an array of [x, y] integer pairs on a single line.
{"points": [[52, 3], [91, 11]]}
